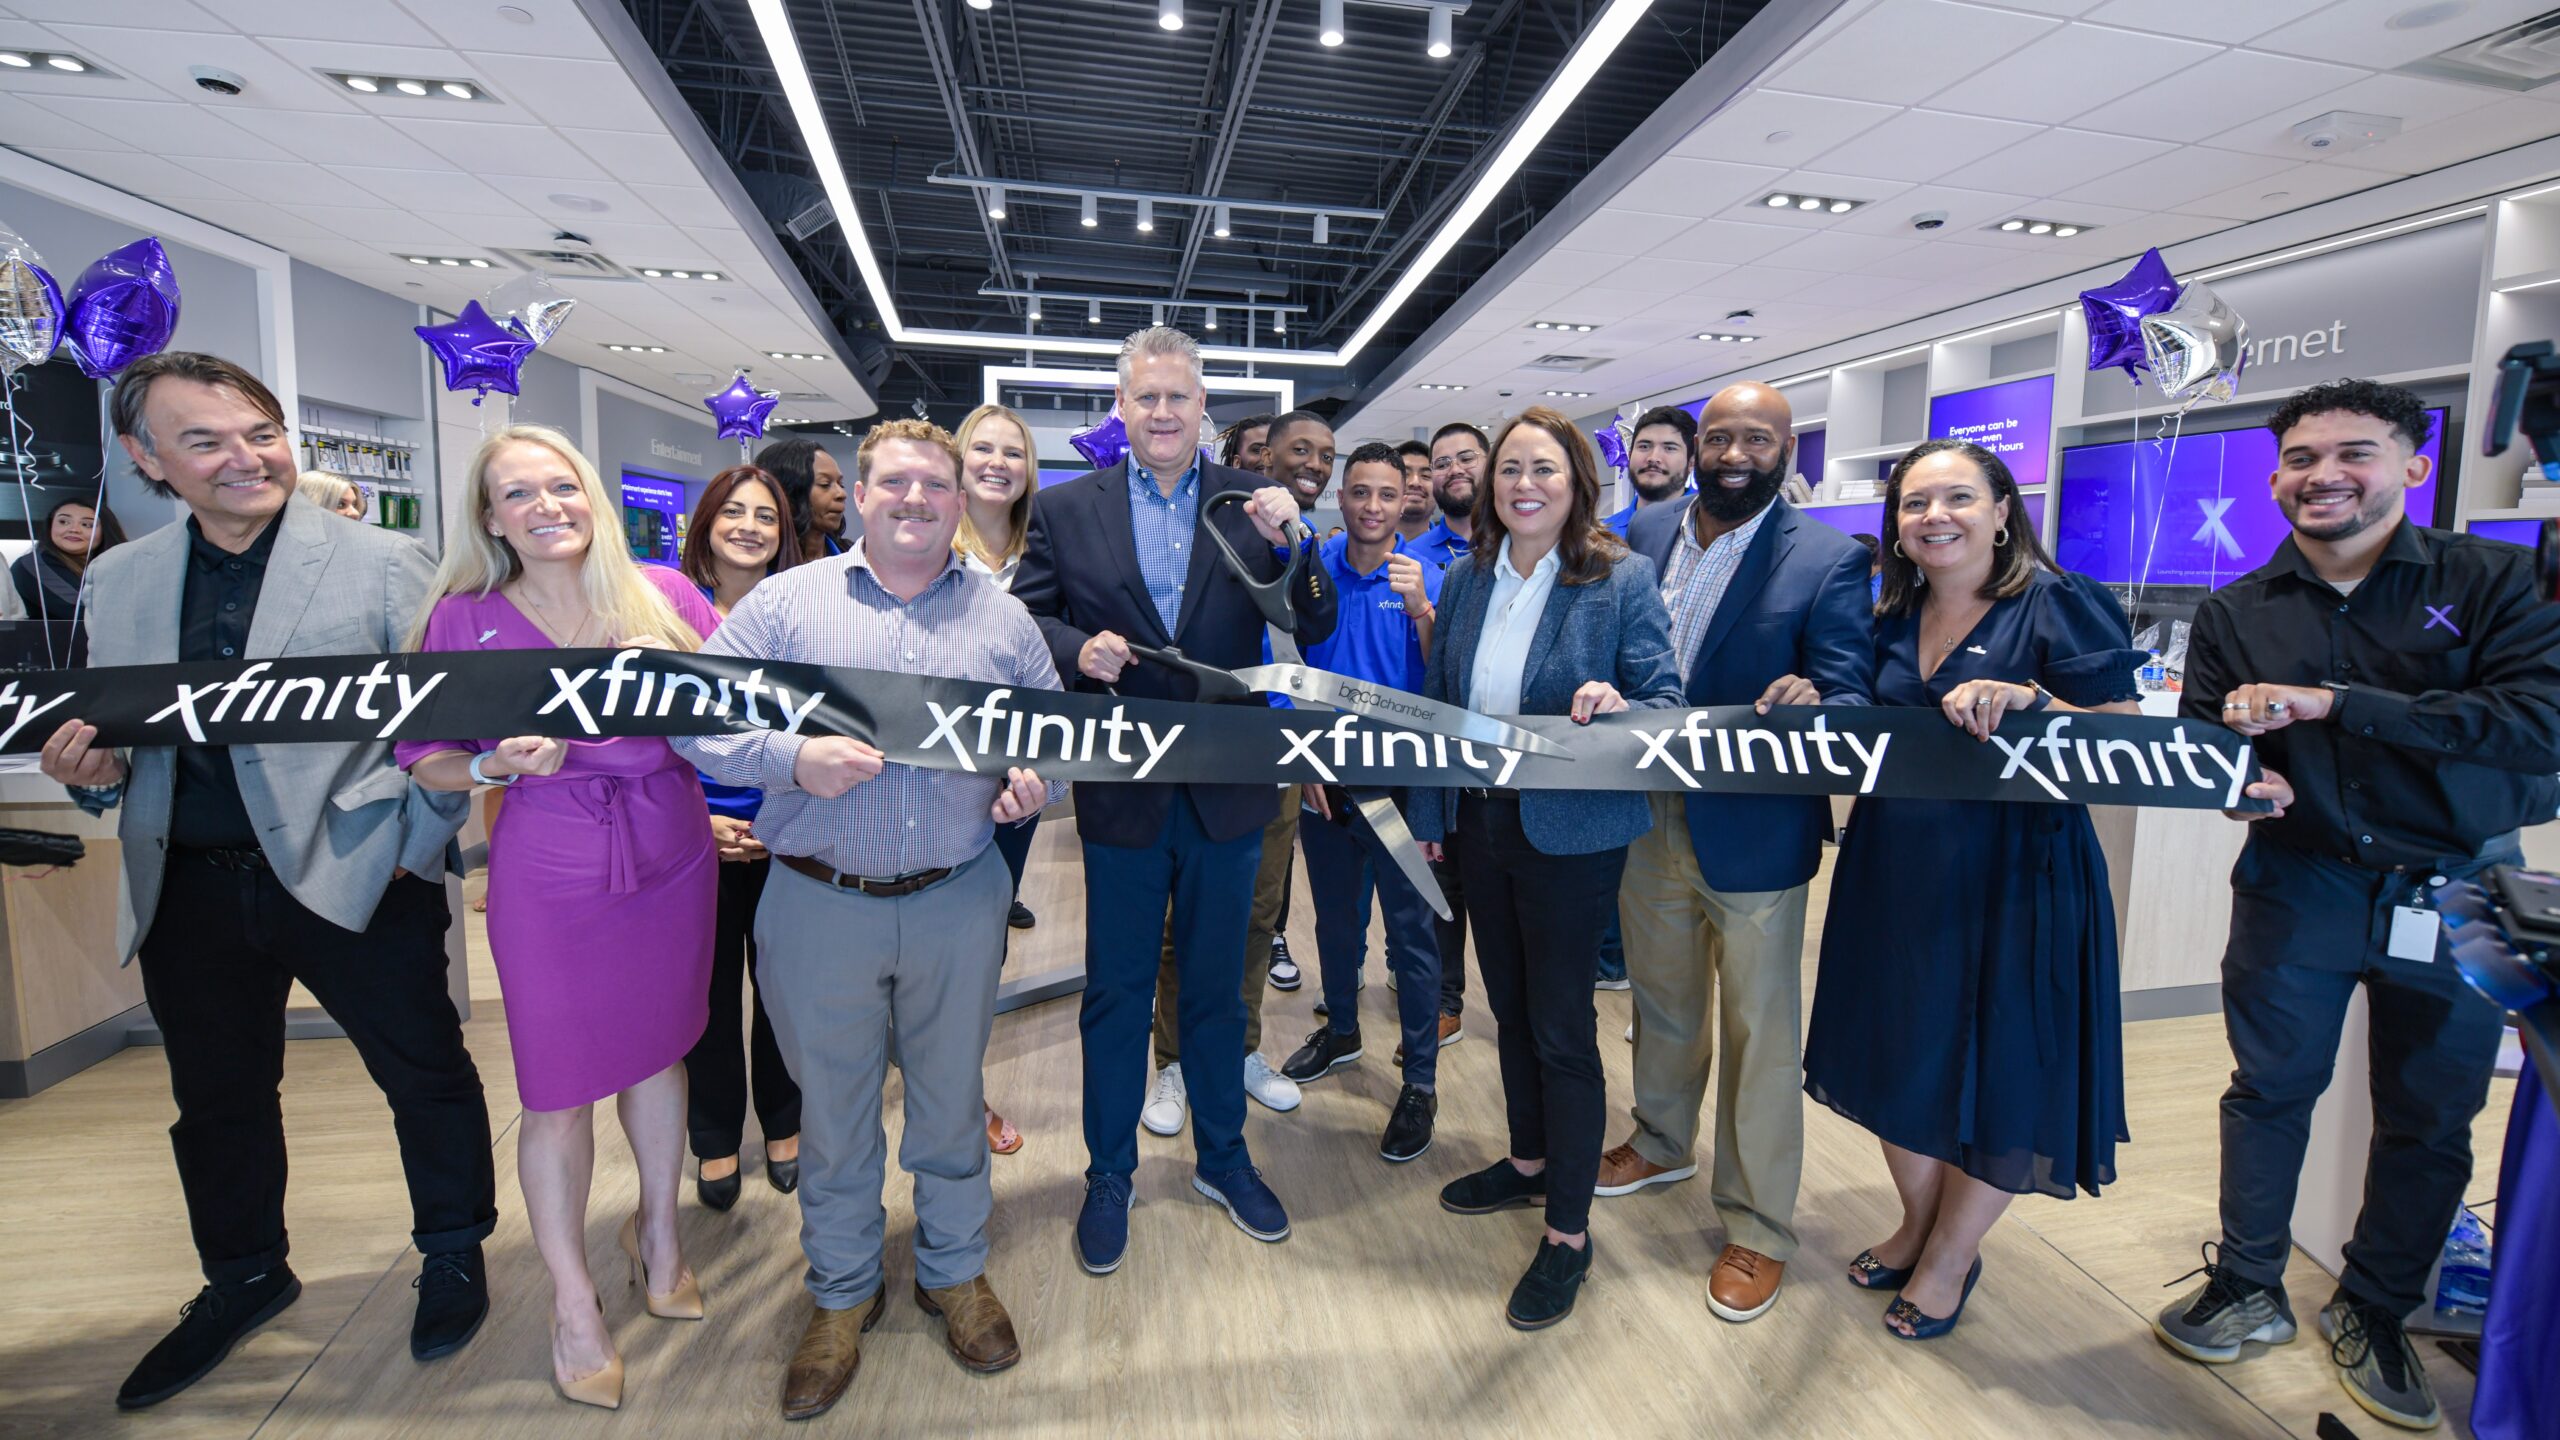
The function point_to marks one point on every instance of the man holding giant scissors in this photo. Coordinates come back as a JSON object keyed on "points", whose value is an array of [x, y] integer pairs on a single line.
{"points": [[1116, 557]]}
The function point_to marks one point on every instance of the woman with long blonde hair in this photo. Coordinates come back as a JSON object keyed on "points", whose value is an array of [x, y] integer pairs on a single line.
{"points": [[601, 874]]}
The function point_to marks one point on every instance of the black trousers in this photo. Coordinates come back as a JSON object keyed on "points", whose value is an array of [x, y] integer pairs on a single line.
{"points": [[1452, 932], [222, 954], [1538, 920], [717, 1066], [1013, 842], [2305, 932]]}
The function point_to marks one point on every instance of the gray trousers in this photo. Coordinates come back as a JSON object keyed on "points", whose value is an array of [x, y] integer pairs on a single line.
{"points": [[839, 970]]}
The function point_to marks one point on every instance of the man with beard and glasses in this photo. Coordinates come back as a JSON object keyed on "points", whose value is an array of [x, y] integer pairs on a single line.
{"points": [[1246, 445], [1768, 607], [1658, 461], [1415, 457], [2403, 686]]}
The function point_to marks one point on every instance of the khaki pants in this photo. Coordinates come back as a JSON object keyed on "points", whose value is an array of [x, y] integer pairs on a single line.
{"points": [[1710, 966], [1270, 895]]}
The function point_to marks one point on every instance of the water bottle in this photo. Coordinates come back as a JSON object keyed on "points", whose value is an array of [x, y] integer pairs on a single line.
{"points": [[2462, 1281], [2153, 675]]}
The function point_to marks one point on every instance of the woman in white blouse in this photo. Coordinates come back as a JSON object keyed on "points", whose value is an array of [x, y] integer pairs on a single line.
{"points": [[997, 475]]}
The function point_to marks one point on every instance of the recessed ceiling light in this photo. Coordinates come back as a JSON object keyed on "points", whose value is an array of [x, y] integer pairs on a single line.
{"points": [[458, 90], [1779, 202], [2065, 232], [654, 274], [2040, 228], [1809, 203], [1792, 200], [419, 260], [680, 274], [1778, 137], [2013, 224], [13, 58], [1435, 385], [359, 82], [1569, 394], [71, 63], [1840, 207], [1574, 327], [2030, 225], [448, 261], [414, 87], [2421, 16], [708, 275], [638, 349], [410, 87]]}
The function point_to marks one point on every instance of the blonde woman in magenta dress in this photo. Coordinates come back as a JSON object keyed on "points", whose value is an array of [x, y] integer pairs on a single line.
{"points": [[601, 872]]}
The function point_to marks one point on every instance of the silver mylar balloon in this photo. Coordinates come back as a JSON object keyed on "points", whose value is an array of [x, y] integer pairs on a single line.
{"points": [[2197, 346], [30, 305], [531, 306]]}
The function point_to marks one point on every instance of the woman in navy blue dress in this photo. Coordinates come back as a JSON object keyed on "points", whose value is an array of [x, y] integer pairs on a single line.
{"points": [[1966, 1010]]}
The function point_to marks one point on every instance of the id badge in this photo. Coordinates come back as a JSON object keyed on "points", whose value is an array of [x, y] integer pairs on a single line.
{"points": [[2413, 933]]}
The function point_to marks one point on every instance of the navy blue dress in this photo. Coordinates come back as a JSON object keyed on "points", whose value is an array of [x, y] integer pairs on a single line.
{"points": [[1967, 1005]]}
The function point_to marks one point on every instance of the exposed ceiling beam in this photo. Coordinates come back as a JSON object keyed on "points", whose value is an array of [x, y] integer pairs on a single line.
{"points": [[964, 132], [1255, 40]]}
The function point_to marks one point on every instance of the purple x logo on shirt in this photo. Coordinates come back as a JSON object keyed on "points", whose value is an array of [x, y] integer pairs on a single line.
{"points": [[2436, 615]]}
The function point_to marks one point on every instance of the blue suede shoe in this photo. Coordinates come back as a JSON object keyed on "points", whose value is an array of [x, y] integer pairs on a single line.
{"points": [[1930, 1327], [1249, 1202], [1102, 1226]]}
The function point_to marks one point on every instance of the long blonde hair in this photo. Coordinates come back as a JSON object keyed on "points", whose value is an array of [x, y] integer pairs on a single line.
{"points": [[968, 541], [478, 562]]}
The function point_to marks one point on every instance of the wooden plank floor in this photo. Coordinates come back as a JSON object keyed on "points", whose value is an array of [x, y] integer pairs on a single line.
{"points": [[1381, 1315]]}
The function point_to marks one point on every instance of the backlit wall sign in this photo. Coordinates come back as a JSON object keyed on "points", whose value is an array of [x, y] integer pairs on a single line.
{"points": [[2013, 420]]}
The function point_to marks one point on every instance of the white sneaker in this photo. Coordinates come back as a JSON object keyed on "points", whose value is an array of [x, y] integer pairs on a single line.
{"points": [[1631, 1032], [1267, 1085], [1167, 1103]]}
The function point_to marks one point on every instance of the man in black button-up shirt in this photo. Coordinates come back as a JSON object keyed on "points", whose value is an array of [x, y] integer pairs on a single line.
{"points": [[205, 810], [2403, 684]]}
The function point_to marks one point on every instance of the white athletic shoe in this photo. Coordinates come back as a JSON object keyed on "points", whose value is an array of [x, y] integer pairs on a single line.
{"points": [[1267, 1085], [1167, 1103]]}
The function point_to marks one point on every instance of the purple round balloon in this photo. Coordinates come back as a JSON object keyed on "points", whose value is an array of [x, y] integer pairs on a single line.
{"points": [[2116, 309], [1613, 446], [478, 353], [123, 307], [1102, 445], [742, 409]]}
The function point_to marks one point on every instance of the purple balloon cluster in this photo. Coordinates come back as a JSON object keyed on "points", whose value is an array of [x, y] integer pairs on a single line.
{"points": [[2187, 336], [742, 409], [1102, 445], [122, 307]]}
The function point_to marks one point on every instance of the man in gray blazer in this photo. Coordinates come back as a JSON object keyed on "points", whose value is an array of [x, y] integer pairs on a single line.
{"points": [[248, 868]]}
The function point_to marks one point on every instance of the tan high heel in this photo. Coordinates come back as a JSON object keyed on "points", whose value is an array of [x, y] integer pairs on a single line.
{"points": [[682, 1303], [603, 1389]]}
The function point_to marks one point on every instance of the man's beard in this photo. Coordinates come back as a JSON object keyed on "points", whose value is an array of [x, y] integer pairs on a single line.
{"points": [[1731, 505], [1454, 509], [1672, 482]]}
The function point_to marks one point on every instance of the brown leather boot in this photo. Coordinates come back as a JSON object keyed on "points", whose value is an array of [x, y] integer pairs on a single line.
{"points": [[830, 1351], [975, 1325]]}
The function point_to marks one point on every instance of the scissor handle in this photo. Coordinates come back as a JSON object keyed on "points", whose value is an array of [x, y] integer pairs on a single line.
{"points": [[1215, 684], [1271, 597]]}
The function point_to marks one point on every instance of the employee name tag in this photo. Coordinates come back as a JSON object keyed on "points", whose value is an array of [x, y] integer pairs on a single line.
{"points": [[2413, 933]]}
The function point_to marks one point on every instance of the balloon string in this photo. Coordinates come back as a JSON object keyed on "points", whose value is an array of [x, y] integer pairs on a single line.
{"points": [[22, 438], [2172, 428]]}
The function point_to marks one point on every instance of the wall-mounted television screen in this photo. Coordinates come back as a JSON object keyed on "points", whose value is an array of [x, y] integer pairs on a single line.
{"points": [[2190, 510], [2013, 420], [2527, 533]]}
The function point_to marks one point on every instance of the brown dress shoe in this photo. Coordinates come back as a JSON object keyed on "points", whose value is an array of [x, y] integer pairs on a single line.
{"points": [[974, 1324], [1623, 1172], [830, 1351], [1744, 1285]]}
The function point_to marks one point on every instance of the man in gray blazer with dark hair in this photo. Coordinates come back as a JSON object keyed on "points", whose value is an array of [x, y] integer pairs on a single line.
{"points": [[248, 868]]}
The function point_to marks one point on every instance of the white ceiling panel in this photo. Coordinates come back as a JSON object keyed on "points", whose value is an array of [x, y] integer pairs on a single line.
{"points": [[430, 192], [1721, 241], [379, 21], [1938, 260], [140, 14], [2170, 180], [681, 204], [1678, 185], [535, 192], [625, 153], [391, 229], [520, 149], [552, 27], [163, 127], [1623, 232], [1964, 210], [2227, 22], [1924, 144], [1838, 250], [2132, 237], [2412, 101], [571, 94], [1659, 274], [1571, 269], [160, 58], [2292, 189], [1595, 305], [30, 126], [2496, 126], [2360, 32], [2207, 98], [268, 224], [1874, 58], [2069, 71], [140, 174], [1778, 127], [316, 51], [1749, 284], [331, 138], [2058, 159]]}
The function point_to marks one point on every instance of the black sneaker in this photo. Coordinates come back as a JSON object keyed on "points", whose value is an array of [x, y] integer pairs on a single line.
{"points": [[1285, 974], [220, 1317], [1020, 917], [2377, 1364], [1409, 1127], [2228, 1312], [453, 1298], [1323, 1051], [1545, 1294], [1498, 1186]]}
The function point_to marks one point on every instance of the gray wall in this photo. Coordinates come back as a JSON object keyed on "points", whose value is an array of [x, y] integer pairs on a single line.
{"points": [[2023, 357], [353, 345], [1906, 403], [548, 394], [629, 433]]}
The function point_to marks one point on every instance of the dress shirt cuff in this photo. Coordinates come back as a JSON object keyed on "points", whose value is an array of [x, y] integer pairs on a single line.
{"points": [[779, 758], [2385, 715]]}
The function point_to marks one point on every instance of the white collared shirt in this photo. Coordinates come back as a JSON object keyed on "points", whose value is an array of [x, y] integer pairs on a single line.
{"points": [[1510, 625]]}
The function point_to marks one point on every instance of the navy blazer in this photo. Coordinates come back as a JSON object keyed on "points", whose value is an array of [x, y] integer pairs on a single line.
{"points": [[1080, 576], [1612, 629], [1798, 605]]}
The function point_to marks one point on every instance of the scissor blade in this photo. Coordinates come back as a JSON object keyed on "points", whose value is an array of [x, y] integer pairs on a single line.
{"points": [[1396, 707], [1387, 823]]}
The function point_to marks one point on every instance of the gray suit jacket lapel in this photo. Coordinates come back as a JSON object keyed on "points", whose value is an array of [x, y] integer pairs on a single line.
{"points": [[293, 576]]}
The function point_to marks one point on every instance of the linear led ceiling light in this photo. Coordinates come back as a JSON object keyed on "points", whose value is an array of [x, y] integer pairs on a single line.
{"points": [[1790, 200], [1575, 327], [61, 61], [644, 350], [661, 273], [2022, 224], [793, 355], [471, 261], [365, 82], [1434, 385], [791, 72], [1726, 338]]}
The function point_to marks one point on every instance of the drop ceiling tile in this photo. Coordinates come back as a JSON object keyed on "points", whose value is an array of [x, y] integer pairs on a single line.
{"points": [[2359, 32], [579, 94], [137, 14], [2230, 89], [140, 174], [2285, 190], [163, 127], [1868, 190], [2070, 70], [681, 204], [1676, 185], [1571, 268], [429, 192], [733, 248], [1873, 59], [22, 35], [1924, 144], [2498, 125], [623, 152], [2144, 232], [1749, 284], [554, 28], [1613, 231], [1839, 250], [1724, 241], [330, 138], [1658, 273], [2221, 21], [30, 126], [2170, 180], [1779, 127], [161, 58], [269, 224], [2413, 101], [379, 21], [521, 149], [2057, 159], [391, 229], [1596, 305], [1964, 210], [413, 54], [1938, 260]]}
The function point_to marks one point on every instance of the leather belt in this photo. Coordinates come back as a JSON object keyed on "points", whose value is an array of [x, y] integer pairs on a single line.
{"points": [[225, 857], [889, 889]]}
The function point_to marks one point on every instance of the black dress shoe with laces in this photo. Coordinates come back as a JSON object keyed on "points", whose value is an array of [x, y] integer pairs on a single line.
{"points": [[220, 1317], [1498, 1186], [1546, 1293], [1324, 1051], [1020, 917], [1409, 1126], [453, 1298]]}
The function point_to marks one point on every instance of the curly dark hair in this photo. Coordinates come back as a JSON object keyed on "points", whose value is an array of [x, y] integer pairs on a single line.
{"points": [[2400, 409], [1231, 439], [1376, 452]]}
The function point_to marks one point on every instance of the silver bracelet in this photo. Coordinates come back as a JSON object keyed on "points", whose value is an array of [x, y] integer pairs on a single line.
{"points": [[479, 777]]}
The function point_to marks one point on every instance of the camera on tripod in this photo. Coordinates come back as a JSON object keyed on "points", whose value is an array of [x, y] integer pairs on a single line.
{"points": [[2528, 398]]}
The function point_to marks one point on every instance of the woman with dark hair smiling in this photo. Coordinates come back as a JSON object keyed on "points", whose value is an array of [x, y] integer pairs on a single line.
{"points": [[741, 533], [73, 532], [1966, 1010], [1547, 614]]}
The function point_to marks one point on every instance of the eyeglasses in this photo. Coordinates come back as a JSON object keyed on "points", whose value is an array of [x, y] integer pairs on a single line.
{"points": [[1452, 462]]}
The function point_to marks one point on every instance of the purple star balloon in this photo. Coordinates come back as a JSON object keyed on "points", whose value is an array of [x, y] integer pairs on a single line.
{"points": [[742, 409], [1613, 446], [123, 307], [2116, 310], [1102, 445], [479, 354]]}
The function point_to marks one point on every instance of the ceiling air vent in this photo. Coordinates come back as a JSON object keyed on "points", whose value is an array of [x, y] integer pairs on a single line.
{"points": [[2524, 56], [1568, 364], [568, 264], [809, 396]]}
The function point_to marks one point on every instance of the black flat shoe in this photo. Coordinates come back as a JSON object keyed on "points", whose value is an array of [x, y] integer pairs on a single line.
{"points": [[783, 1175], [220, 1317], [1498, 1186], [1020, 917], [453, 1298], [717, 1194], [1546, 1293]]}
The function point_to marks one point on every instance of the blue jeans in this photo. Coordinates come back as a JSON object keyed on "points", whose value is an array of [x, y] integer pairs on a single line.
{"points": [[1209, 884], [1344, 860], [1613, 951]]}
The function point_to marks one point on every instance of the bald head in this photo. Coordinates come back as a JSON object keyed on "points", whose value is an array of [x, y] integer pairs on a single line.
{"points": [[1746, 443], [1751, 400]]}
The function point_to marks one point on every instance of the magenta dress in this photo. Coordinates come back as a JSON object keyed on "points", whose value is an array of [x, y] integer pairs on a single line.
{"points": [[602, 880]]}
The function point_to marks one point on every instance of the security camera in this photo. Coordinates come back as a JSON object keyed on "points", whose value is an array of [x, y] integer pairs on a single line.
{"points": [[1505, 394], [1929, 220], [218, 82]]}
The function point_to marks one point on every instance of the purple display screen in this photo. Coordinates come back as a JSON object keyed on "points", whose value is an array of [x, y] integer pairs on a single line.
{"points": [[663, 498], [2013, 420], [2527, 533], [1811, 446], [1053, 474], [2193, 510], [1867, 518]]}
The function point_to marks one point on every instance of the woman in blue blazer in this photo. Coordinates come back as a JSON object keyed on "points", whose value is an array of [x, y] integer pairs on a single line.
{"points": [[1549, 614]]}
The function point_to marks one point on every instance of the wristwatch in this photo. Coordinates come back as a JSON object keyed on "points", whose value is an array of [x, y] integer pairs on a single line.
{"points": [[480, 777], [2337, 695], [2043, 698]]}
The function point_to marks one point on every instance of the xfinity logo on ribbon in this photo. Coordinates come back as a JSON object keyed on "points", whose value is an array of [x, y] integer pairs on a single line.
{"points": [[312, 689], [2061, 752], [1377, 747], [1023, 743], [709, 697], [1735, 743]]}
